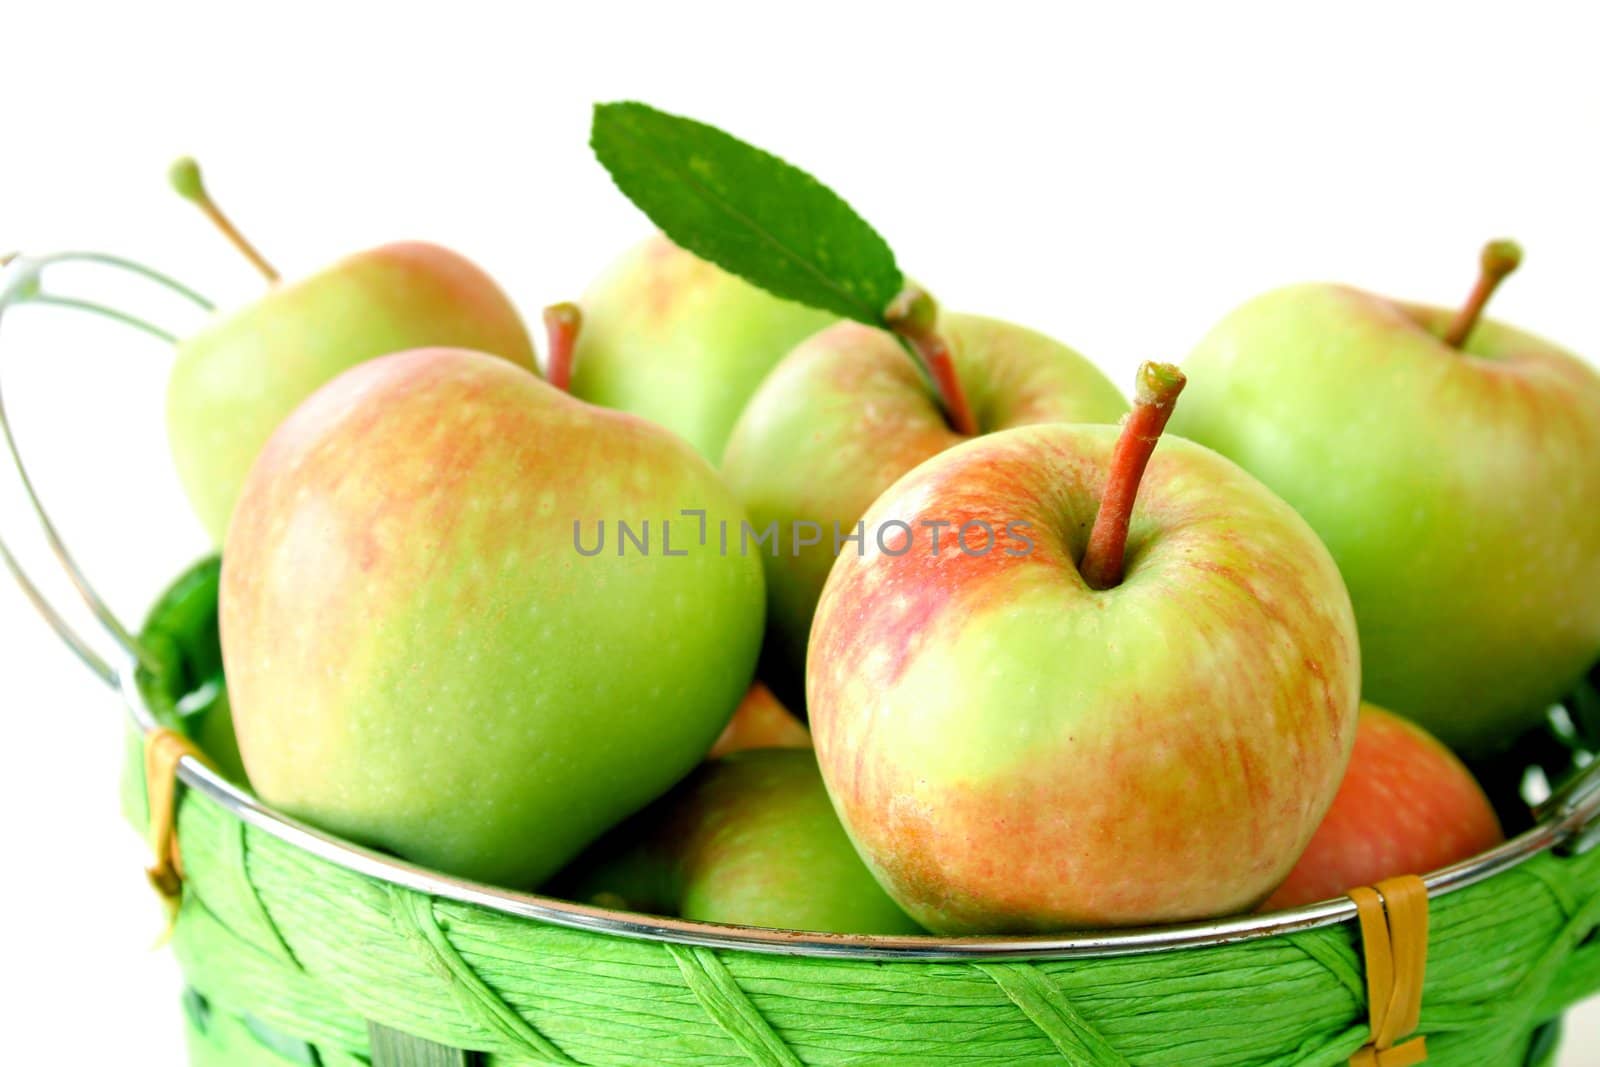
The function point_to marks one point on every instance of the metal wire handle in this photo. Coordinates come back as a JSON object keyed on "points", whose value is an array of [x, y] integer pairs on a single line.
{"points": [[22, 283]]}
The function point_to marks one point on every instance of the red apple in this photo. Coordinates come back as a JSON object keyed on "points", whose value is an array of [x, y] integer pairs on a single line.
{"points": [[1406, 806], [760, 721], [1060, 727]]}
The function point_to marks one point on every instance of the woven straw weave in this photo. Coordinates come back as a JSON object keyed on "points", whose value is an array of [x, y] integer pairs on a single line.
{"points": [[309, 951]]}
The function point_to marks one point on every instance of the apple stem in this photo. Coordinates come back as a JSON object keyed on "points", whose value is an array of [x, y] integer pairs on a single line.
{"points": [[186, 181], [913, 317], [561, 323], [1158, 388], [1498, 260]]}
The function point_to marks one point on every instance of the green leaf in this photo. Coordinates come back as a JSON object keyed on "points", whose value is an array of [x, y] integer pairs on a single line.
{"points": [[184, 686], [181, 635], [747, 211]]}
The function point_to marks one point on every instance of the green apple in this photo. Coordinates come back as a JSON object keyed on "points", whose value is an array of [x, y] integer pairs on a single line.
{"points": [[671, 337], [847, 413], [422, 652], [1456, 484], [1407, 805], [1112, 695], [748, 839], [242, 374]]}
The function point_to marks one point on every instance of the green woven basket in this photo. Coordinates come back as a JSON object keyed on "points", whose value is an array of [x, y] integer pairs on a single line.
{"points": [[299, 948]]}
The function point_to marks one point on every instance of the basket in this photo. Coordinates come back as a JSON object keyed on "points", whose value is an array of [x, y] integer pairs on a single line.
{"points": [[300, 948]]}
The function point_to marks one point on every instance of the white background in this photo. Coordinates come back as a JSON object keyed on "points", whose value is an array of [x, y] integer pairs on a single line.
{"points": [[1118, 180]]}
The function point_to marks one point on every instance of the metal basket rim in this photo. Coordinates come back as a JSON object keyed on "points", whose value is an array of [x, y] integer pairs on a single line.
{"points": [[1564, 818]]}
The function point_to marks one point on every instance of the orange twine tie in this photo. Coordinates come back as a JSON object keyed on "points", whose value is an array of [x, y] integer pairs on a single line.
{"points": [[163, 749], [1394, 938]]}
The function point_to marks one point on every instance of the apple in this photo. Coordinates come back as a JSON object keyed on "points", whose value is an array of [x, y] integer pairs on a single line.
{"points": [[1407, 805], [847, 413], [439, 642], [1121, 691], [243, 373], [760, 721], [748, 839], [682, 342], [1450, 467]]}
